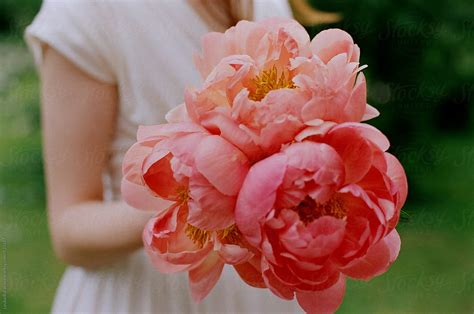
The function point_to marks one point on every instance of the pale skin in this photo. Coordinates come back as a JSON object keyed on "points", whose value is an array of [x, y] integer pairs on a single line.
{"points": [[78, 119]]}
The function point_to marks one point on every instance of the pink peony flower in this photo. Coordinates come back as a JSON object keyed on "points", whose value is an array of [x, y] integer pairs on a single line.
{"points": [[264, 81], [323, 209], [199, 175], [267, 168]]}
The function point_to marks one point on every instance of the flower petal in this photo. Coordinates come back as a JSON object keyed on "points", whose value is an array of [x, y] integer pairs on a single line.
{"points": [[133, 188], [233, 254], [208, 208], [356, 106], [178, 114], [227, 128], [274, 284], [370, 113], [166, 130], [204, 277], [377, 260], [222, 164], [366, 131], [323, 301], [319, 158], [315, 130], [355, 151], [257, 196], [332, 42], [397, 174], [250, 274], [158, 175], [138, 196], [167, 245], [321, 238]]}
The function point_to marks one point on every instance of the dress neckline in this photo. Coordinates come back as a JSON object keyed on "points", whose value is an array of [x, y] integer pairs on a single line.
{"points": [[218, 16]]}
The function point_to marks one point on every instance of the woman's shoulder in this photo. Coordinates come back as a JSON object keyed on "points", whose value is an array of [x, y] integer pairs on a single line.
{"points": [[96, 35], [78, 30]]}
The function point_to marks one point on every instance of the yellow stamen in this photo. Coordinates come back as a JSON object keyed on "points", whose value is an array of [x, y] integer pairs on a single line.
{"points": [[334, 207], [200, 237], [183, 194], [229, 235], [267, 81]]}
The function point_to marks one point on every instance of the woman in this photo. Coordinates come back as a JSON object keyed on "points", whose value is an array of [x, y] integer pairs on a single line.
{"points": [[107, 67]]}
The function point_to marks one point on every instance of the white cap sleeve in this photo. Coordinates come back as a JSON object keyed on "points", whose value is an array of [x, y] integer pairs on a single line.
{"points": [[77, 30]]}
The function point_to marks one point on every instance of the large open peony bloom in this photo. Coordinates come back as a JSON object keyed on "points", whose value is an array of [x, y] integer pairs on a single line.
{"points": [[323, 209], [263, 81], [199, 176]]}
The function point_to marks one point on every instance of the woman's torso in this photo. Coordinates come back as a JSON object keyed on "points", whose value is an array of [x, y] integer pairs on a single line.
{"points": [[146, 48]]}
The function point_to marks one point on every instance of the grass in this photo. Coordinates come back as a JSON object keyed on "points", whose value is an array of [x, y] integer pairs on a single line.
{"points": [[434, 272], [32, 270]]}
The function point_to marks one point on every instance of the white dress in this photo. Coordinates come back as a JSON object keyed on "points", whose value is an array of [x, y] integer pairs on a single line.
{"points": [[145, 47]]}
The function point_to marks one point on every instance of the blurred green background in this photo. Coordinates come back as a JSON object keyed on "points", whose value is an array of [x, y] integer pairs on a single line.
{"points": [[420, 77]]}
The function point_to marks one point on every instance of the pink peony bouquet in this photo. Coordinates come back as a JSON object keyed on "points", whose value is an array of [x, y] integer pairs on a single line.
{"points": [[268, 168]]}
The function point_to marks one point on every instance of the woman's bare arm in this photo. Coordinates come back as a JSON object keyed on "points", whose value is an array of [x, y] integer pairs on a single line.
{"points": [[78, 117]]}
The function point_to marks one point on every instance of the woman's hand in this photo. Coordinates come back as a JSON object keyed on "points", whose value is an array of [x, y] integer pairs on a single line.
{"points": [[78, 117]]}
